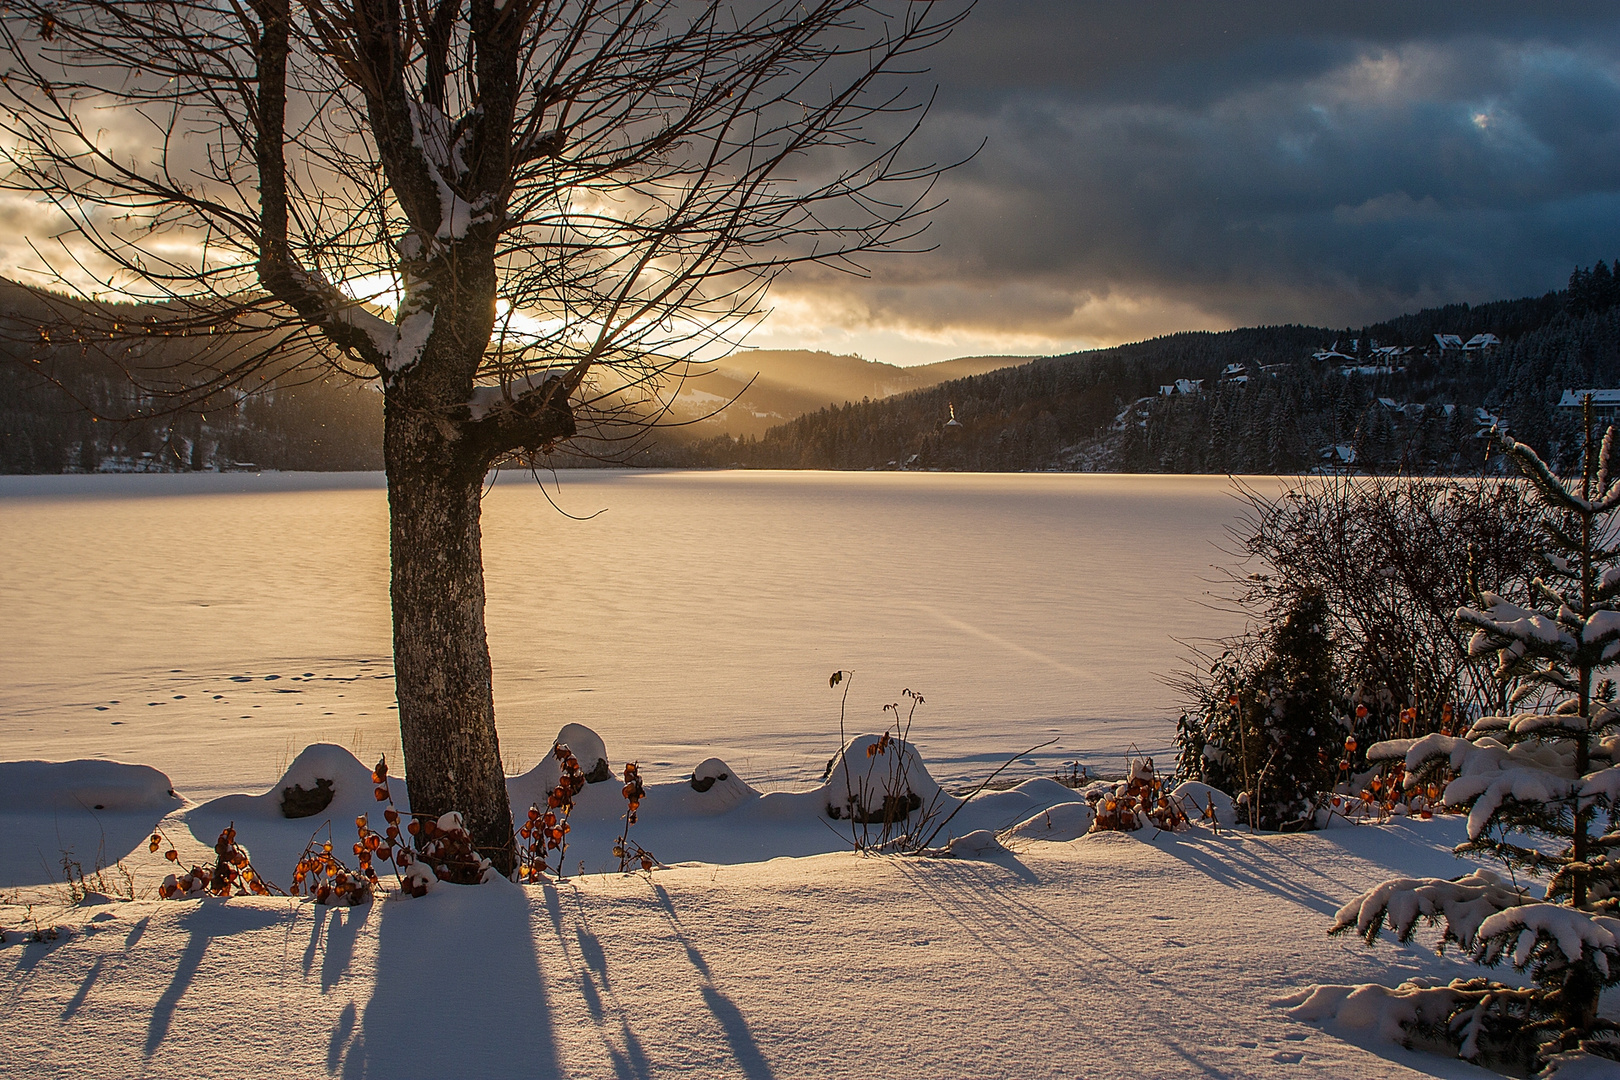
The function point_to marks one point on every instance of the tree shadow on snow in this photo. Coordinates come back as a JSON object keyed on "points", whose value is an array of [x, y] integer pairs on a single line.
{"points": [[458, 990], [37, 843], [1405, 848], [588, 958], [1232, 863], [733, 1025], [340, 927], [1021, 935], [205, 922]]}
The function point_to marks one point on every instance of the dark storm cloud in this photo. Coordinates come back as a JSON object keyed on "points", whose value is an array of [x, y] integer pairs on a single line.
{"points": [[1151, 166]]}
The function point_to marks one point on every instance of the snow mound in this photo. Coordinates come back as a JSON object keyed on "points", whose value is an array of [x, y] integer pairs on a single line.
{"points": [[978, 844], [878, 777], [531, 788], [589, 748], [88, 785], [714, 788], [1372, 1008], [1196, 796], [1065, 821], [348, 777]]}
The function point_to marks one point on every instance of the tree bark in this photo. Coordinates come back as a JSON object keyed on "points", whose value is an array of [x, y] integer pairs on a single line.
{"points": [[441, 654]]}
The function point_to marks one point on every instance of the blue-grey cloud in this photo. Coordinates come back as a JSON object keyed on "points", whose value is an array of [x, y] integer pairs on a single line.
{"points": [[1153, 165]]}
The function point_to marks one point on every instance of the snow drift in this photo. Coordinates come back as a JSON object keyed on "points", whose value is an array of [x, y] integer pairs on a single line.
{"points": [[86, 785]]}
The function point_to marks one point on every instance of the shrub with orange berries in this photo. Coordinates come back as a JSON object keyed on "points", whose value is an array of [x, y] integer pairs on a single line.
{"points": [[546, 831]]}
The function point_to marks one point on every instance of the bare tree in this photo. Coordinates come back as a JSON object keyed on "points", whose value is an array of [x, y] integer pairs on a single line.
{"points": [[517, 215]]}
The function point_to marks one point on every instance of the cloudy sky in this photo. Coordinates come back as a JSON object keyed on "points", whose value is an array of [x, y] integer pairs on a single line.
{"points": [[1161, 165], [1158, 166]]}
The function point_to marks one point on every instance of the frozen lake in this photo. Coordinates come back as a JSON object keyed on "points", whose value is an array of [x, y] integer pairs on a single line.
{"points": [[212, 625]]}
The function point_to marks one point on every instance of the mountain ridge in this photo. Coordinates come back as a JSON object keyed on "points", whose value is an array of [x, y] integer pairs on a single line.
{"points": [[1311, 390]]}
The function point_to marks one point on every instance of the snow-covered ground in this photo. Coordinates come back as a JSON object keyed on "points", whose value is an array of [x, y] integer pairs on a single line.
{"points": [[216, 624], [227, 631], [1140, 955]]}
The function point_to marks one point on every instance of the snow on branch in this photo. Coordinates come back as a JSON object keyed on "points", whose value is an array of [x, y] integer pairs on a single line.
{"points": [[444, 150], [1504, 620], [1463, 905], [396, 346], [1556, 493], [1533, 931], [1490, 793], [1488, 773], [487, 399]]}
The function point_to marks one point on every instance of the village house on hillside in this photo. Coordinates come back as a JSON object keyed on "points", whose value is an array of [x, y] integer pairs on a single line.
{"points": [[1605, 403]]}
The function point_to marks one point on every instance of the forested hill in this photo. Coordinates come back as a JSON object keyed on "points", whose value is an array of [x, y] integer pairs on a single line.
{"points": [[1382, 397], [63, 405]]}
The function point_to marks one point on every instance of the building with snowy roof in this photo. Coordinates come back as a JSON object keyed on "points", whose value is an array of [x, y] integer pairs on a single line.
{"points": [[1338, 458], [1605, 403]]}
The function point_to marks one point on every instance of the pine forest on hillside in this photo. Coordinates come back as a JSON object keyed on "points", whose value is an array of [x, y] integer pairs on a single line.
{"points": [[1384, 398], [1288, 410]]}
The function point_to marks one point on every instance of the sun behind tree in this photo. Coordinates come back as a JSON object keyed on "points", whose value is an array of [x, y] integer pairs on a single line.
{"points": [[518, 216]]}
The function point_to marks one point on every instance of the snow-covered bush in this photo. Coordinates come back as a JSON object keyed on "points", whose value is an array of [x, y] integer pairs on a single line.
{"points": [[1534, 786], [1138, 801]]}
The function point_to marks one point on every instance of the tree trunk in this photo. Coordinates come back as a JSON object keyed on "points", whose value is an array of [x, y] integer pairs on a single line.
{"points": [[441, 655]]}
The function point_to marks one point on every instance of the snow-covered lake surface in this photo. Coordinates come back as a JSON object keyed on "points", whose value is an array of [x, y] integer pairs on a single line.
{"points": [[214, 625]]}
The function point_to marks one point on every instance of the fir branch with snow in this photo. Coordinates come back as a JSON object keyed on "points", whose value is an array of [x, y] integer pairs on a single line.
{"points": [[1534, 773], [1533, 786]]}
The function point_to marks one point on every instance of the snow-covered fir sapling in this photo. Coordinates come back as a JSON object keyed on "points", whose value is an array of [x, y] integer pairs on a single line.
{"points": [[1267, 724], [1534, 785]]}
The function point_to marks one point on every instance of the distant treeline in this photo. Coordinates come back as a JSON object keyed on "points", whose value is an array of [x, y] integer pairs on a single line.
{"points": [[1287, 412], [69, 404], [319, 425], [1100, 410]]}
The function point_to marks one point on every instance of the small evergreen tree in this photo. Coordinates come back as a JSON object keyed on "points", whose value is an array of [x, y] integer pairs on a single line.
{"points": [[1265, 726], [1533, 785]]}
